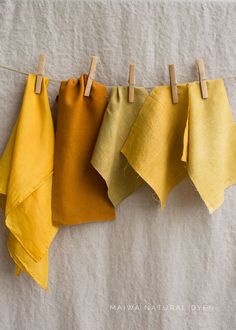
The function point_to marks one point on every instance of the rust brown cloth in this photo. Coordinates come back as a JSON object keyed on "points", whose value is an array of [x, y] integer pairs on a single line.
{"points": [[79, 193]]}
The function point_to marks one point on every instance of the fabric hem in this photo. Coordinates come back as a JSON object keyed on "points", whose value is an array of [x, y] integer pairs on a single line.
{"points": [[24, 268], [27, 194], [212, 208], [87, 221], [163, 201], [16, 235]]}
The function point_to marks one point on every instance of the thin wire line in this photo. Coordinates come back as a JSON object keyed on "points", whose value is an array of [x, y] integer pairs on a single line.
{"points": [[23, 73], [58, 80], [13, 70]]}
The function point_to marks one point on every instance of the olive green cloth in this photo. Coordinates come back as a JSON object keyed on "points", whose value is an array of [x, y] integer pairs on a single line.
{"points": [[107, 159]]}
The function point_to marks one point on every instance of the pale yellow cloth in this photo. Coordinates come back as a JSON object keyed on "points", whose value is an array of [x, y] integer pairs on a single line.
{"points": [[210, 143], [194, 136], [107, 159], [26, 169]]}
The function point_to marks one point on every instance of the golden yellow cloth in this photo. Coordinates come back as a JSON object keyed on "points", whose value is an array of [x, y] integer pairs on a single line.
{"points": [[26, 169], [107, 159], [79, 192], [195, 137]]}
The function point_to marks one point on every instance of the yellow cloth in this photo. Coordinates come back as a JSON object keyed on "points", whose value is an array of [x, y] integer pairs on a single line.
{"points": [[210, 143], [195, 137], [107, 159], [26, 169]]}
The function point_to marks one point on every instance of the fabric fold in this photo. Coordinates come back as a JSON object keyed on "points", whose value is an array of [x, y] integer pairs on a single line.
{"points": [[107, 159], [26, 169], [79, 192], [184, 157]]}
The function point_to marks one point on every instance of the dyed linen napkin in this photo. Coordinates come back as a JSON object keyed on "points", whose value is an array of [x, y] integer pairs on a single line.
{"points": [[26, 169], [210, 143], [79, 192], [154, 145], [194, 137], [107, 159]]}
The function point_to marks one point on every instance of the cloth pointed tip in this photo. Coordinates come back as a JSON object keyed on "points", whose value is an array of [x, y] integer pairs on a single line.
{"points": [[163, 205], [17, 271], [43, 286], [162, 201], [46, 288], [211, 210]]}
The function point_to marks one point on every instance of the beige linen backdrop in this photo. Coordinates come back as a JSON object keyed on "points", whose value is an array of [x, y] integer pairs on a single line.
{"points": [[149, 269]]}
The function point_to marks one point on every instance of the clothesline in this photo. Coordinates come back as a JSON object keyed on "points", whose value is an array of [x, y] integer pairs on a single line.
{"points": [[59, 80]]}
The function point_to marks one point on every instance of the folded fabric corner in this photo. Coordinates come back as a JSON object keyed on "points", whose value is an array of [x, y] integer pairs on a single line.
{"points": [[24, 263]]}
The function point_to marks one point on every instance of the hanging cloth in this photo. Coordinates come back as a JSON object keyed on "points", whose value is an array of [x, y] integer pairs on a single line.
{"points": [[79, 191], [194, 137], [107, 159], [210, 143], [154, 145], [26, 169]]}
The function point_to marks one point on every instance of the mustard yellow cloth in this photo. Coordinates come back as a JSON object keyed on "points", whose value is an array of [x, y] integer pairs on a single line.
{"points": [[26, 169], [195, 137], [79, 193], [107, 159]]}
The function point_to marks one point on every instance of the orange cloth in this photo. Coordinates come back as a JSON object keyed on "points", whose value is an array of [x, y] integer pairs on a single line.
{"points": [[79, 193]]}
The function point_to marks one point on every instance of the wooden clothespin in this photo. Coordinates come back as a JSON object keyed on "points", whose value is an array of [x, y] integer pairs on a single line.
{"points": [[202, 78], [91, 75], [173, 83], [39, 77], [131, 82]]}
